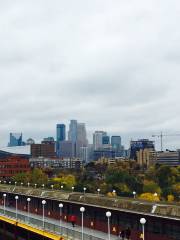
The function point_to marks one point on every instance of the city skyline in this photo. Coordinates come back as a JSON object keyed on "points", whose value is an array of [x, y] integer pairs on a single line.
{"points": [[125, 139], [113, 65]]}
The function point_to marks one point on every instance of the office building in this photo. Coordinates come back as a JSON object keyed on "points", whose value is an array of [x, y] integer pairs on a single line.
{"points": [[60, 132], [15, 140], [67, 149], [116, 143], [144, 157], [77, 135], [43, 150], [12, 164], [84, 154], [105, 140], [98, 139], [170, 158], [48, 140], [73, 129], [104, 153], [136, 146]]}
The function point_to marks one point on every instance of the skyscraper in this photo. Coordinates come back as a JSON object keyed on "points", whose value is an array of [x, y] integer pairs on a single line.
{"points": [[60, 132], [77, 135], [73, 129], [60, 136], [116, 143], [15, 140], [105, 140], [98, 139]]}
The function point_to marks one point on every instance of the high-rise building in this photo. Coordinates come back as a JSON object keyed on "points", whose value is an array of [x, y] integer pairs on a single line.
{"points": [[98, 139], [116, 143], [60, 136], [105, 140], [73, 129], [67, 149], [15, 140], [84, 154], [77, 135], [81, 138], [136, 146], [60, 132]]}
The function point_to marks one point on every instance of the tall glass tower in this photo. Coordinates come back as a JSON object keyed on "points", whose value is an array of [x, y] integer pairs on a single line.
{"points": [[60, 132]]}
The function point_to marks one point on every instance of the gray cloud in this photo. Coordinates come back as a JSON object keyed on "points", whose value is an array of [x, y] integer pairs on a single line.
{"points": [[112, 64]]}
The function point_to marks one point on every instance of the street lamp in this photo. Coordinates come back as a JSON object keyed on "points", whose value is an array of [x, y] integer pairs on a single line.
{"points": [[21, 184], [108, 215], [16, 198], [28, 184], [98, 190], [72, 189], [4, 196], [52, 186], [143, 222], [35, 185], [43, 186], [28, 201], [60, 215], [84, 189], [62, 187], [9, 182], [82, 210], [134, 193], [43, 203], [15, 183]]}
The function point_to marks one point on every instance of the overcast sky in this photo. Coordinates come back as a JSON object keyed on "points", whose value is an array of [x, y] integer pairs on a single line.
{"points": [[113, 64]]}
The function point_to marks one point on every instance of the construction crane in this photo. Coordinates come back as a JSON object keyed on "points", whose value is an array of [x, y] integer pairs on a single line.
{"points": [[161, 135]]}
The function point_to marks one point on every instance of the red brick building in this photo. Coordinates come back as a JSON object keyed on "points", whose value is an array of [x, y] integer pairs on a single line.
{"points": [[11, 164]]}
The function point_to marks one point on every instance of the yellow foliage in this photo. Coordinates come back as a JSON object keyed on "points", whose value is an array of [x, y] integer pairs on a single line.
{"points": [[149, 197], [170, 198], [67, 181], [110, 194]]}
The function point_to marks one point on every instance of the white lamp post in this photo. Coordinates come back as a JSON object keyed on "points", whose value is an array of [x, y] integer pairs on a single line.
{"points": [[43, 186], [43, 204], [134, 193], [16, 198], [62, 187], [21, 184], [28, 184], [9, 182], [60, 215], [98, 190], [108, 215], [72, 189], [84, 189], [143, 222], [82, 210], [52, 186], [35, 185], [28, 201], [4, 196], [15, 183]]}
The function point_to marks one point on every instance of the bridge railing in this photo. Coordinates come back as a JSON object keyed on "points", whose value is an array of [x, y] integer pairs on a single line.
{"points": [[65, 231]]}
